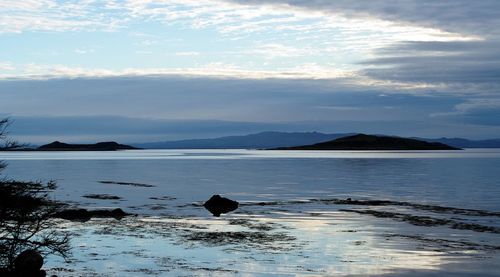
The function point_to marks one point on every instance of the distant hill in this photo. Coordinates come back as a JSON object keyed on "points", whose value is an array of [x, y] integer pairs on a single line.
{"points": [[253, 141], [265, 140], [467, 143], [371, 142], [100, 146]]}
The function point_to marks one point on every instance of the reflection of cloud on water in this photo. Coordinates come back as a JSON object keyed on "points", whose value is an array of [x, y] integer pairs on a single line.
{"points": [[342, 244]]}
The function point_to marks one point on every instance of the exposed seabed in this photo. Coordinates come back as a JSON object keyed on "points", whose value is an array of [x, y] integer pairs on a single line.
{"points": [[315, 237]]}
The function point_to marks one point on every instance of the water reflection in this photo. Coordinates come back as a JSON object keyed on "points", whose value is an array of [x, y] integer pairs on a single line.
{"points": [[333, 243]]}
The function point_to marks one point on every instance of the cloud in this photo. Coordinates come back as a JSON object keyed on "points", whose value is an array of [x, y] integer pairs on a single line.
{"points": [[475, 64], [340, 108], [170, 96], [277, 50], [457, 16], [83, 51], [184, 97], [7, 66], [187, 53], [297, 39], [475, 111], [216, 70], [152, 108], [227, 17], [51, 15], [292, 60], [466, 55]]}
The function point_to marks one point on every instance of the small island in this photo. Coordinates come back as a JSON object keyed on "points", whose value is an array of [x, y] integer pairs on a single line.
{"points": [[100, 146], [372, 142]]}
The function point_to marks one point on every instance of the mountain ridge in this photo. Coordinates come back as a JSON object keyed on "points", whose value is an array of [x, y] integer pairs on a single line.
{"points": [[260, 140], [274, 139]]}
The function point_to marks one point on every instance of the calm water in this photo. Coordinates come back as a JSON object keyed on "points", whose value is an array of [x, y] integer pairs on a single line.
{"points": [[310, 239], [468, 178]]}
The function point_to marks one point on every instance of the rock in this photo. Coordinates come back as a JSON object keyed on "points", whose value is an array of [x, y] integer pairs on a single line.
{"points": [[102, 196], [74, 214], [116, 213], [29, 263], [85, 215], [220, 205]]}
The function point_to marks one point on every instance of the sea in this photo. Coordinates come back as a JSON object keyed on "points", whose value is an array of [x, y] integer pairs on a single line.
{"points": [[302, 213]]}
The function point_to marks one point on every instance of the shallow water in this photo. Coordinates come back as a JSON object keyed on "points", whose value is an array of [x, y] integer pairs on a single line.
{"points": [[304, 238]]}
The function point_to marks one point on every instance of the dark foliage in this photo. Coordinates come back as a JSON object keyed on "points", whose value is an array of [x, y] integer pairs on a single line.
{"points": [[26, 215]]}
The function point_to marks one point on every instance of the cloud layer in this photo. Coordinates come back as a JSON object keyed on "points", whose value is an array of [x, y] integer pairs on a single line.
{"points": [[157, 108], [409, 67], [459, 16]]}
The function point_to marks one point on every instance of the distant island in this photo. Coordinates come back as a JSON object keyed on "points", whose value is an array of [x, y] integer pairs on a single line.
{"points": [[372, 142], [100, 146]]}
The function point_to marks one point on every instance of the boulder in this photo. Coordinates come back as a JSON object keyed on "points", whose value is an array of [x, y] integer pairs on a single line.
{"points": [[29, 263], [220, 205]]}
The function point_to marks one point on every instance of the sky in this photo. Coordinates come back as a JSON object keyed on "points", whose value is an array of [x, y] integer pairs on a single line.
{"points": [[139, 70]]}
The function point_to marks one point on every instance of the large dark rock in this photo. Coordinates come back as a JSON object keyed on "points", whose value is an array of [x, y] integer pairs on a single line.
{"points": [[29, 263], [220, 205], [85, 215]]}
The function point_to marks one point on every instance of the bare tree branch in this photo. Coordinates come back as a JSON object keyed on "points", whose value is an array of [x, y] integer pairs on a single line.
{"points": [[5, 142]]}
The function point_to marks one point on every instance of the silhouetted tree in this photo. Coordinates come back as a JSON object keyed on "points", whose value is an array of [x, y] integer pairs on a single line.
{"points": [[5, 142], [26, 212]]}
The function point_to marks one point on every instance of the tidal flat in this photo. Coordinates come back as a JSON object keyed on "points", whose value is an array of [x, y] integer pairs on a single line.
{"points": [[347, 214], [307, 239]]}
